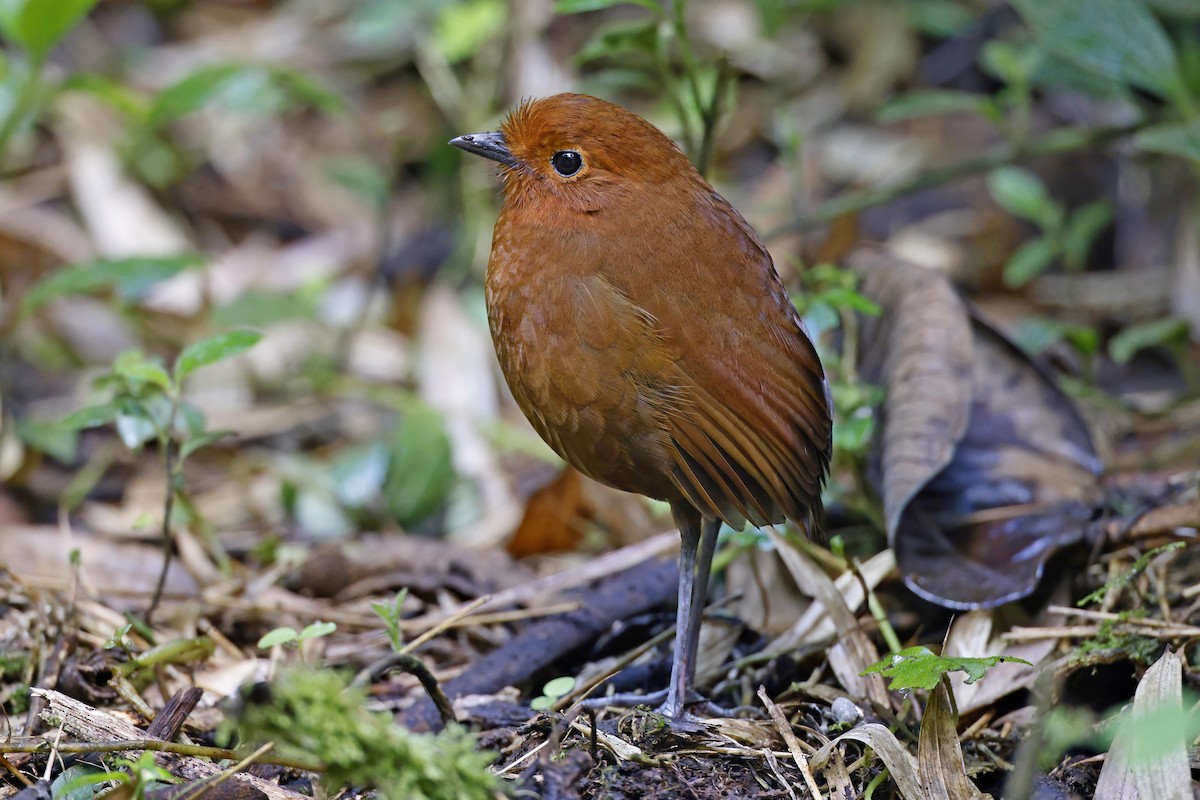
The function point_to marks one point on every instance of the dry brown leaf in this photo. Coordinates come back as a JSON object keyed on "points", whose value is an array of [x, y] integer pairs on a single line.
{"points": [[894, 755], [1130, 772], [939, 755], [816, 623], [120, 215], [551, 520], [854, 650], [986, 467], [920, 350]]}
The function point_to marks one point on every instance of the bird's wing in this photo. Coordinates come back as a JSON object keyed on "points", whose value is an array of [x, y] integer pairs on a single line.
{"points": [[754, 441]]}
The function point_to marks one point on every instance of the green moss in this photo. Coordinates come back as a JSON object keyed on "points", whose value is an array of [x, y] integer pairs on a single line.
{"points": [[1109, 639], [311, 714]]}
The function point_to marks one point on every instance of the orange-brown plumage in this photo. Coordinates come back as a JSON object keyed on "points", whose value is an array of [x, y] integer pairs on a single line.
{"points": [[640, 322]]}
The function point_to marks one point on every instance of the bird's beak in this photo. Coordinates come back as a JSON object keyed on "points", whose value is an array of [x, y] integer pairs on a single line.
{"points": [[488, 145]]}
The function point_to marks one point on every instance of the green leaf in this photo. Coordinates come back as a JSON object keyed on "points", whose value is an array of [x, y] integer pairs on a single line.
{"points": [[38, 25], [114, 93], [1173, 139], [214, 349], [1142, 335], [278, 636], [1036, 335], [131, 277], [190, 94], [462, 28], [243, 86], [260, 309], [1030, 260], [52, 438], [317, 630], [90, 417], [559, 687], [841, 297], [1013, 64], [580, 6], [137, 368], [1119, 40], [1084, 225], [203, 440], [1184, 9], [853, 434], [640, 37], [422, 470], [79, 786], [940, 18], [934, 102], [920, 668], [1021, 193], [542, 703], [359, 175]]}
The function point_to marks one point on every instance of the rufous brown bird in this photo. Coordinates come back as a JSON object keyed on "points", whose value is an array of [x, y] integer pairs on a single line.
{"points": [[643, 329]]}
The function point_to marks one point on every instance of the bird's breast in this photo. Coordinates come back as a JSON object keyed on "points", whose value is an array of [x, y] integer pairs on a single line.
{"points": [[584, 363]]}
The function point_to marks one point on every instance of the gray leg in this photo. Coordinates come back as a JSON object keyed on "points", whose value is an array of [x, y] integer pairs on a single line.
{"points": [[695, 564]]}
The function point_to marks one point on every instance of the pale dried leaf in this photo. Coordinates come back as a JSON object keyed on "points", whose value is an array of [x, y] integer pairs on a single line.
{"points": [[1164, 775], [816, 624], [854, 649], [893, 754], [120, 215], [939, 755]]}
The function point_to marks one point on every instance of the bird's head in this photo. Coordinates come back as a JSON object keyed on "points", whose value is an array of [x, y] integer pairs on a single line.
{"points": [[579, 153]]}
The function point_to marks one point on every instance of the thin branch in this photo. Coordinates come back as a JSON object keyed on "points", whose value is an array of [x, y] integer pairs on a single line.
{"points": [[168, 543], [711, 115], [38, 745]]}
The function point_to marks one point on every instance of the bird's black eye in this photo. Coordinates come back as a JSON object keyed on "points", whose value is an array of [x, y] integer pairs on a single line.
{"points": [[566, 162]]}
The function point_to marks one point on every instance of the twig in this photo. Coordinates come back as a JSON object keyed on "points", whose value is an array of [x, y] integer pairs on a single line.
{"points": [[38, 745], [795, 747], [168, 543], [407, 662], [1058, 141], [710, 115]]}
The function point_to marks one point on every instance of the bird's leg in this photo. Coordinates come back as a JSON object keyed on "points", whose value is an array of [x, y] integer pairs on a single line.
{"points": [[695, 563]]}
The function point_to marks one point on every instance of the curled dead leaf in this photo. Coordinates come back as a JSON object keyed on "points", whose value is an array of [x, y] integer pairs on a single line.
{"points": [[985, 467]]}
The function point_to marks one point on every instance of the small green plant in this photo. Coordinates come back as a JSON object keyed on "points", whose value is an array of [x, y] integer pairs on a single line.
{"points": [[920, 668], [290, 637], [657, 47], [1109, 639], [554, 690], [143, 401], [313, 715], [1126, 578], [34, 28], [391, 614], [1065, 238], [141, 776], [831, 301]]}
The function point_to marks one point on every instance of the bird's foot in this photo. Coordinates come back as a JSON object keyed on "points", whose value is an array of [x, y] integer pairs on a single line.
{"points": [[660, 701]]}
